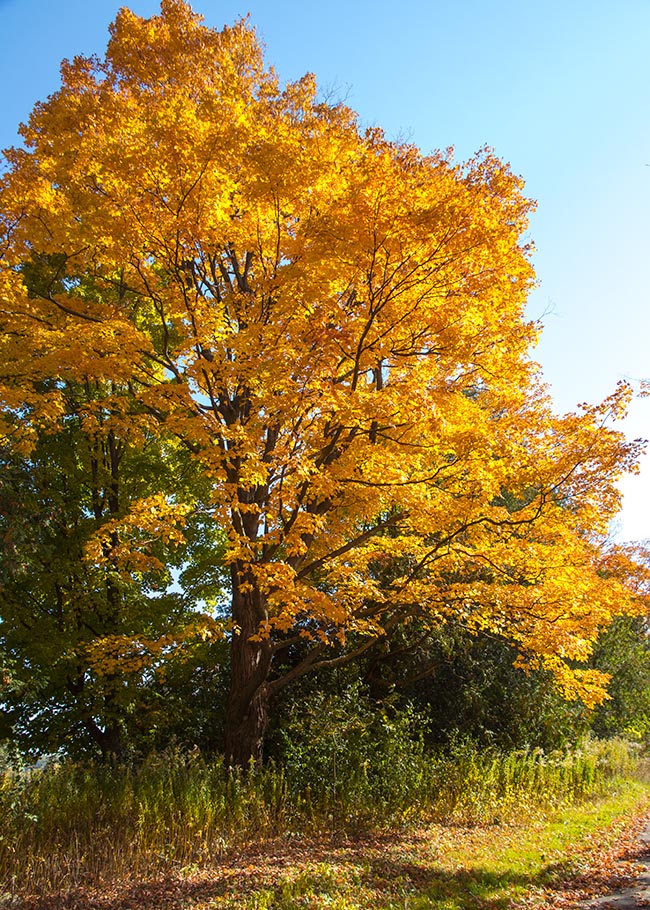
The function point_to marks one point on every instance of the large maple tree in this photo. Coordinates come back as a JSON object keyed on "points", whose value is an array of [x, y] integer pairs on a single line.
{"points": [[333, 326]]}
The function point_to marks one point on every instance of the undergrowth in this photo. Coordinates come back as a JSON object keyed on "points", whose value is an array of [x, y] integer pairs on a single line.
{"points": [[70, 824]]}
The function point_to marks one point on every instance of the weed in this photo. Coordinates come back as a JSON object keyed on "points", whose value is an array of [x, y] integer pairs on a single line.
{"points": [[68, 824]]}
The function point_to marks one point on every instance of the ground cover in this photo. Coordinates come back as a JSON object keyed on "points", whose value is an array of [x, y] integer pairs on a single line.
{"points": [[543, 860]]}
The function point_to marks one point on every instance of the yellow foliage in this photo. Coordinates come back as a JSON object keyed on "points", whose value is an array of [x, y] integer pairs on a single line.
{"points": [[124, 655], [333, 324], [125, 543]]}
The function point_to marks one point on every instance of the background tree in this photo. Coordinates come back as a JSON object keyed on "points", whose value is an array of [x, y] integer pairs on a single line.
{"points": [[623, 651], [333, 325], [89, 614]]}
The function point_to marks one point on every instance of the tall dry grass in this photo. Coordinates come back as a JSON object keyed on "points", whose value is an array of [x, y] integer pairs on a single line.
{"points": [[70, 824]]}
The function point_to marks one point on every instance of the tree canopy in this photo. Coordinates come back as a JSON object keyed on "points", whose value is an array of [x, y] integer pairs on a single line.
{"points": [[332, 327]]}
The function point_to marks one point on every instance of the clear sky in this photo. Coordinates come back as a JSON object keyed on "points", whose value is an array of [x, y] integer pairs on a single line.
{"points": [[559, 88]]}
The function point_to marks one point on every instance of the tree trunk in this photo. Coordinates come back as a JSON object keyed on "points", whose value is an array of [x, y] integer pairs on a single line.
{"points": [[108, 739], [247, 710], [245, 728]]}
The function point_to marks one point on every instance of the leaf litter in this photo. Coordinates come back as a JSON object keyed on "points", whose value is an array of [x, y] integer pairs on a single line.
{"points": [[446, 865]]}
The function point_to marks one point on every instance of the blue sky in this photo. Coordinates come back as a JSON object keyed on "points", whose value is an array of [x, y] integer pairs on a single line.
{"points": [[561, 90]]}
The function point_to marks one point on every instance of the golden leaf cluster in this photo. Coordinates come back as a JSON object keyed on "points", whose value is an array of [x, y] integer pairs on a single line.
{"points": [[333, 324]]}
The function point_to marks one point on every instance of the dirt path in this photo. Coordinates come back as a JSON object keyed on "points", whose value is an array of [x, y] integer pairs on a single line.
{"points": [[636, 895]]}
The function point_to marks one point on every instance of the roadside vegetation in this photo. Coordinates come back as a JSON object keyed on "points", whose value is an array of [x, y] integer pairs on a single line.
{"points": [[478, 780], [71, 825]]}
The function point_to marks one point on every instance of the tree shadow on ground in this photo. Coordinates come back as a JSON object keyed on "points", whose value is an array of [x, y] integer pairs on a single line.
{"points": [[383, 870]]}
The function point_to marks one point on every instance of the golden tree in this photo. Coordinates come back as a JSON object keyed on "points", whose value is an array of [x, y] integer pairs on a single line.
{"points": [[333, 325]]}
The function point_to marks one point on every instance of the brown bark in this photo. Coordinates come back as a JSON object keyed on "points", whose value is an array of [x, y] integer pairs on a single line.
{"points": [[247, 709], [109, 739], [245, 728]]}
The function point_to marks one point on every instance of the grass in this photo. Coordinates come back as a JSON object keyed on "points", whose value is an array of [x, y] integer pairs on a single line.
{"points": [[439, 866], [449, 831]]}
